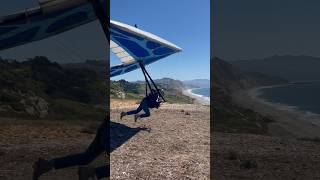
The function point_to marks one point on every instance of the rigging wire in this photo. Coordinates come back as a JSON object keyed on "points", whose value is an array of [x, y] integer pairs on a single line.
{"points": [[146, 76]]}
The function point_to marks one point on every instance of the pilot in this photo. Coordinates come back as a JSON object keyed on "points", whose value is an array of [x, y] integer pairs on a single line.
{"points": [[152, 100], [97, 147]]}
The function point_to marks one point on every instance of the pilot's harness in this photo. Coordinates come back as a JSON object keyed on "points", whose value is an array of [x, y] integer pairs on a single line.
{"points": [[147, 78]]}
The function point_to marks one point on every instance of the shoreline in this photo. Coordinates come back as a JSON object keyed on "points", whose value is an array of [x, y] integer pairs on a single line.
{"points": [[203, 100], [256, 92], [290, 122]]}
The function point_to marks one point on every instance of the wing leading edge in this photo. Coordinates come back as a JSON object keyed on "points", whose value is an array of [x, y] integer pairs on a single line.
{"points": [[132, 45]]}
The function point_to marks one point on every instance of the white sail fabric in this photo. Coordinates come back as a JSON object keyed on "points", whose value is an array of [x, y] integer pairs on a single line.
{"points": [[124, 57]]}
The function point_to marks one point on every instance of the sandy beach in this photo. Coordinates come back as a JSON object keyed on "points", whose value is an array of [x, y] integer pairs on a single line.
{"points": [[198, 98], [173, 143], [289, 121]]}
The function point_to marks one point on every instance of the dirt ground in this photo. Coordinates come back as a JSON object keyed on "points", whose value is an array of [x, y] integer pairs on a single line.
{"points": [[174, 143], [22, 142], [244, 156], [171, 144]]}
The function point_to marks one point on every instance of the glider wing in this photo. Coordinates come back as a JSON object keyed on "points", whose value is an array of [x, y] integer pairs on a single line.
{"points": [[50, 18], [132, 45]]}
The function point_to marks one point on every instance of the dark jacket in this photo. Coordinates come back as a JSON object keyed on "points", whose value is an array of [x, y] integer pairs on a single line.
{"points": [[152, 100]]}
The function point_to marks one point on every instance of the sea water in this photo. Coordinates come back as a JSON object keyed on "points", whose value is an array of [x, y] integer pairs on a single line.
{"points": [[304, 96], [205, 92]]}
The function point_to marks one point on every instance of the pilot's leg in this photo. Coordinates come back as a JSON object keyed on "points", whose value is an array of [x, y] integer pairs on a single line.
{"points": [[137, 110], [95, 149], [146, 111], [98, 146]]}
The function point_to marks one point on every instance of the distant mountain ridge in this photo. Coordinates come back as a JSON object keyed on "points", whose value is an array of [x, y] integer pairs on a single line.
{"points": [[229, 76], [197, 83], [289, 67], [98, 66]]}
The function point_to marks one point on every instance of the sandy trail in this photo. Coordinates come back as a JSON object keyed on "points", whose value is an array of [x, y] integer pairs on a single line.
{"points": [[177, 147]]}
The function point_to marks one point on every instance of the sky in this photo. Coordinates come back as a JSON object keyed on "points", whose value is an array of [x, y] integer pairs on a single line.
{"points": [[250, 29], [185, 23]]}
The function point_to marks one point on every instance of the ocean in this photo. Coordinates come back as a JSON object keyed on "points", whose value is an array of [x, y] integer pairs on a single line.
{"points": [[303, 96], [205, 92]]}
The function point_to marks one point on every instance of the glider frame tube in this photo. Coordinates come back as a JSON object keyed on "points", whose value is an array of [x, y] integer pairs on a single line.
{"points": [[146, 74]]}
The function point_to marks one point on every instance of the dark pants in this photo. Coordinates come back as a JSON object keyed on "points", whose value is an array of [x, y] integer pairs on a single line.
{"points": [[143, 106], [98, 146]]}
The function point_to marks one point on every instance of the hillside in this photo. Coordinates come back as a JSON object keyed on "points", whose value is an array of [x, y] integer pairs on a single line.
{"points": [[136, 90], [38, 88], [228, 117], [230, 76], [292, 68], [98, 66], [133, 90]]}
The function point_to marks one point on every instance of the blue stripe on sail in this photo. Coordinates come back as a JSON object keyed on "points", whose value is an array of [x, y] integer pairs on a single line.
{"points": [[4, 30], [18, 38], [133, 47], [67, 21]]}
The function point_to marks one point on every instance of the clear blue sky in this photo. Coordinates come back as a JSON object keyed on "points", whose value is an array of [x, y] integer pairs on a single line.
{"points": [[185, 23], [249, 29]]}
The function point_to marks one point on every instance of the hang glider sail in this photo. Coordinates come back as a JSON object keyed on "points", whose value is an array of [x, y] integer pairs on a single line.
{"points": [[133, 46], [50, 18], [135, 49]]}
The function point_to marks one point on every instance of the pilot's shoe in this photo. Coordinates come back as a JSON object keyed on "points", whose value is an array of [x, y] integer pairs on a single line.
{"points": [[122, 114], [40, 167], [136, 116]]}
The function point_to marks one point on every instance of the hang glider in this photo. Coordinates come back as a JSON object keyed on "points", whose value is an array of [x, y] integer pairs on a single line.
{"points": [[135, 49], [133, 46], [51, 17]]}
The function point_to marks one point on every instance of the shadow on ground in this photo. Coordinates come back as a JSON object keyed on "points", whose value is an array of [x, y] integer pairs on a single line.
{"points": [[120, 133]]}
